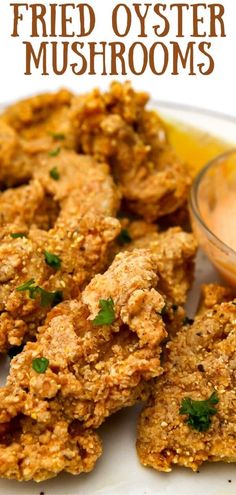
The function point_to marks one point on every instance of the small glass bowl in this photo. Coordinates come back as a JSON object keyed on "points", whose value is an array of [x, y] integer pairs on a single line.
{"points": [[212, 185]]}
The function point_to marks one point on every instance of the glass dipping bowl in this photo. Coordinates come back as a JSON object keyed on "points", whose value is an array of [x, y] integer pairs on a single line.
{"points": [[211, 187]]}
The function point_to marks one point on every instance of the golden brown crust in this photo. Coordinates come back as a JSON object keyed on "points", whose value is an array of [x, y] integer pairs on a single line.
{"points": [[116, 127], [212, 294], [93, 371], [29, 115], [27, 129], [27, 206], [200, 360], [83, 185], [47, 419], [176, 252], [82, 246], [39, 452]]}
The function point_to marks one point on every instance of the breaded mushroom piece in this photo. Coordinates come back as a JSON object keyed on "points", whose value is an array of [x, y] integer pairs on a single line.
{"points": [[96, 368], [116, 127], [212, 294], [36, 451], [93, 369], [31, 115], [175, 250], [82, 185], [66, 185], [36, 125], [28, 205], [200, 361], [81, 239], [77, 248]]}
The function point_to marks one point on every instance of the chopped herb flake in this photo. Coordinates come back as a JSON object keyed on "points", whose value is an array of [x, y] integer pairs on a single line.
{"points": [[55, 152], [188, 321], [40, 365], [18, 235], [54, 174], [57, 136], [124, 237], [46, 298], [106, 315], [30, 286], [199, 411], [52, 260]]}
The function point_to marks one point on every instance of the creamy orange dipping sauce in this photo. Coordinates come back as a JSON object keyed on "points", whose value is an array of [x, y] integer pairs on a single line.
{"points": [[222, 220], [216, 208]]}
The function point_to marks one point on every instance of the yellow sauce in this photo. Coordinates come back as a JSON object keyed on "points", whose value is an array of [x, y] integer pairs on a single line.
{"points": [[194, 146]]}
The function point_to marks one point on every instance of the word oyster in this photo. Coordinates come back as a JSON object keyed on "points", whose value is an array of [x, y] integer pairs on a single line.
{"points": [[146, 22]]}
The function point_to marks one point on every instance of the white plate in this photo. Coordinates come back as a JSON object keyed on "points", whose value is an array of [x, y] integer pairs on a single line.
{"points": [[118, 471]]}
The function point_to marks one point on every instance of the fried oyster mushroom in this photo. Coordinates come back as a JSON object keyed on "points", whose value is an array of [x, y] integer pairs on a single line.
{"points": [[94, 365], [79, 242], [30, 127], [66, 185], [44, 268], [36, 451], [28, 205], [175, 249], [199, 366], [116, 127]]}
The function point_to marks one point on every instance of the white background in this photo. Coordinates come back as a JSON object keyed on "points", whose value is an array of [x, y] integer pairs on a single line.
{"points": [[216, 92]]}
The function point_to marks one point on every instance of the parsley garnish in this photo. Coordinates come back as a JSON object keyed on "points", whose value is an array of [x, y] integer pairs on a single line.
{"points": [[57, 136], [54, 174], [52, 260], [40, 365], [124, 237], [199, 411], [18, 235], [46, 298], [188, 321], [29, 285], [55, 152], [106, 315]]}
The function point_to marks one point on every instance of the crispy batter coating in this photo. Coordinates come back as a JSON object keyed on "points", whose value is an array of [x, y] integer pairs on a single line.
{"points": [[27, 206], [100, 368], [128, 282], [93, 370], [65, 203], [82, 246], [199, 360], [30, 127], [82, 237], [175, 250], [31, 450], [212, 294], [116, 127], [82, 185], [15, 165], [40, 115]]}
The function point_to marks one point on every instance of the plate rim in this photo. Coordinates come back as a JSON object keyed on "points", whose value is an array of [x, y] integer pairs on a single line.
{"points": [[153, 101]]}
